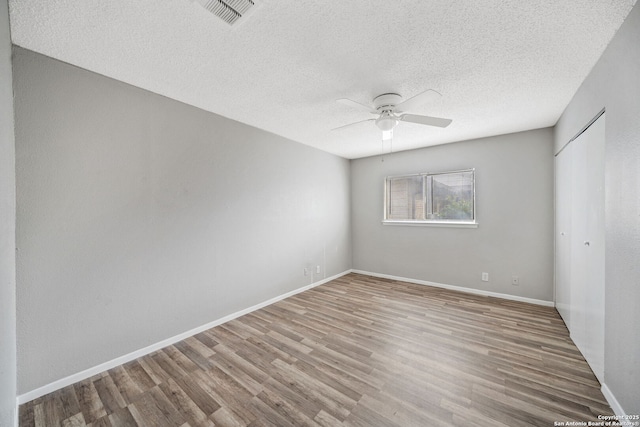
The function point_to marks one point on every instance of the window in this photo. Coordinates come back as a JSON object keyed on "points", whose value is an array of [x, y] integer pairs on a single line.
{"points": [[447, 197]]}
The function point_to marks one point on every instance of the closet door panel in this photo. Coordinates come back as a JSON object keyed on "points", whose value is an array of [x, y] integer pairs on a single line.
{"points": [[563, 234], [579, 263], [587, 276], [594, 249]]}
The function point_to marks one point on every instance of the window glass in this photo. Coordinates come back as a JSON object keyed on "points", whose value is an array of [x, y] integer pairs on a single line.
{"points": [[452, 196], [405, 198]]}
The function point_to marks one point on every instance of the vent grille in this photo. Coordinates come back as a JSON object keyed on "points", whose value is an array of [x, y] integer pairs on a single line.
{"points": [[230, 11]]}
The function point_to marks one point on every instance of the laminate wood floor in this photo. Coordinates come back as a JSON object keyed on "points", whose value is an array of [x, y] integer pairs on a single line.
{"points": [[358, 351]]}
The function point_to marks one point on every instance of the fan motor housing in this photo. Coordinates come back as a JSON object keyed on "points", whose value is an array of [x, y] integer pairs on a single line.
{"points": [[386, 102]]}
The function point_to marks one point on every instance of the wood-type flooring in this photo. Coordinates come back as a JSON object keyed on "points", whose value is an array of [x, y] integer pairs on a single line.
{"points": [[357, 351]]}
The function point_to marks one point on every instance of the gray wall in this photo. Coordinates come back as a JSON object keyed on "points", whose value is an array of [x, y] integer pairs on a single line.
{"points": [[140, 217], [7, 229], [514, 192], [614, 84]]}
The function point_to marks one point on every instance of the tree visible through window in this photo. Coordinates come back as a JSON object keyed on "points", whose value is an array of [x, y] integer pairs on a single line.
{"points": [[438, 197]]}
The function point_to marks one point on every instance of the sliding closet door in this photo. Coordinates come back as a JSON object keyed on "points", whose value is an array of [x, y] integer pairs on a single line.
{"points": [[579, 263], [594, 250], [587, 245], [563, 234]]}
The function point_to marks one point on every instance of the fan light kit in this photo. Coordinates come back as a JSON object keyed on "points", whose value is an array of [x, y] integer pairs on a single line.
{"points": [[386, 122]]}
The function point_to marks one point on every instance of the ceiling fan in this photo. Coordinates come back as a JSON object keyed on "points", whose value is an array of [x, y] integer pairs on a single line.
{"points": [[390, 109]]}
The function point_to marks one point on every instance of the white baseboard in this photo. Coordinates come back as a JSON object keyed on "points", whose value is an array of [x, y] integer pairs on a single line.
{"points": [[613, 402], [459, 288], [87, 373]]}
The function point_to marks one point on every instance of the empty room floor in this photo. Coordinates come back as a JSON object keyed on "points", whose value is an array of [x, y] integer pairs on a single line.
{"points": [[358, 351]]}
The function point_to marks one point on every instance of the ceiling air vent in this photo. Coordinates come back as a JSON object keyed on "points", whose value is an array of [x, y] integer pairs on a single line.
{"points": [[230, 11]]}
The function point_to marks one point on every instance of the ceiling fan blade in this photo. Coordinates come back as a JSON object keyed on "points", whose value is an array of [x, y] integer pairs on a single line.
{"points": [[426, 120], [354, 123], [354, 104], [418, 100]]}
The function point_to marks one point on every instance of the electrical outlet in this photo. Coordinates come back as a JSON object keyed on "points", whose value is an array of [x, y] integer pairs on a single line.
{"points": [[306, 271], [317, 269], [485, 277], [515, 280]]}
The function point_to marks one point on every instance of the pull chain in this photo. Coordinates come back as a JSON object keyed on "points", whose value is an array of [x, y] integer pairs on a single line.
{"points": [[387, 136]]}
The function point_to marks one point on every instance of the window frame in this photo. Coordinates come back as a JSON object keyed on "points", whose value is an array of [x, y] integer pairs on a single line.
{"points": [[429, 222]]}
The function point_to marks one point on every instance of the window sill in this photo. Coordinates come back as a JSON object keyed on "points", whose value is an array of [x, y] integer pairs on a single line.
{"points": [[433, 224]]}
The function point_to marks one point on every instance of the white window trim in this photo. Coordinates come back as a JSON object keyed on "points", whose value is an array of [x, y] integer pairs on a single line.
{"points": [[430, 223], [450, 224]]}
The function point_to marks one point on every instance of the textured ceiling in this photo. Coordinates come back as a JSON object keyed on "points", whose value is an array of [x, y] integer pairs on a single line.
{"points": [[501, 66]]}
